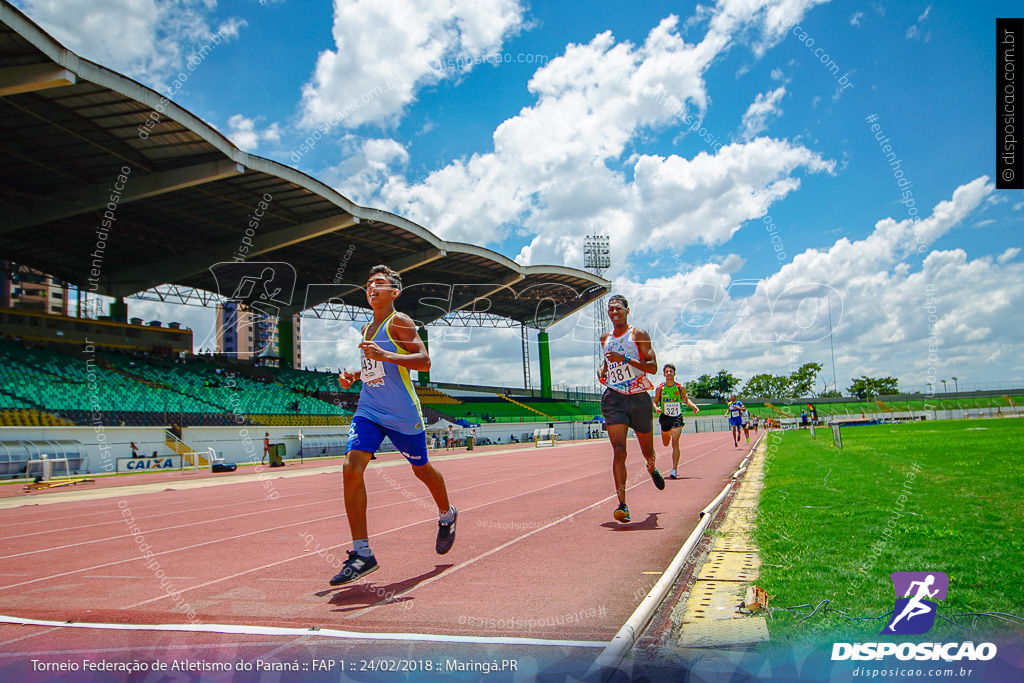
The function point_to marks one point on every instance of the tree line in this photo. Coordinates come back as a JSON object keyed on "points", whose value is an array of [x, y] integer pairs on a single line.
{"points": [[798, 384]]}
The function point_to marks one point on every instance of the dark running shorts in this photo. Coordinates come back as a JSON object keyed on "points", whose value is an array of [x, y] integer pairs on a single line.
{"points": [[633, 410], [668, 423]]}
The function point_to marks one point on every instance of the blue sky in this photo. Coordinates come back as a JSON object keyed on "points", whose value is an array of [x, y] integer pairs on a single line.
{"points": [[584, 126]]}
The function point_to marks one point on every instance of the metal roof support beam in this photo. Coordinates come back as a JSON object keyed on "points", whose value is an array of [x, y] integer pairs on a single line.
{"points": [[319, 298], [22, 79], [503, 283], [420, 258], [178, 269], [75, 202]]}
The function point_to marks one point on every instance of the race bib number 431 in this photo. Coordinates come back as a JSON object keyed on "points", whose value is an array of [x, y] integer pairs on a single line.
{"points": [[373, 370]]}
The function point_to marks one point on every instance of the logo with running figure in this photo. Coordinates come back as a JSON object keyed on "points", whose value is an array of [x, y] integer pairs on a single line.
{"points": [[914, 612]]}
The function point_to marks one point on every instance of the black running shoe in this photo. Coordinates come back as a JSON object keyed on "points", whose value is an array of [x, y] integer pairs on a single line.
{"points": [[446, 534], [659, 480], [621, 513], [355, 567]]}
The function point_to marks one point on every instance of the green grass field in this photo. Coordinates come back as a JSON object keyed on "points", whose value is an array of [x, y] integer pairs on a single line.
{"points": [[830, 524]]}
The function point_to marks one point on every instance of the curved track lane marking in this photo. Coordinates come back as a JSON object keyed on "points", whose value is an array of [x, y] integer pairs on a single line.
{"points": [[384, 489], [501, 547], [340, 545], [255, 533]]}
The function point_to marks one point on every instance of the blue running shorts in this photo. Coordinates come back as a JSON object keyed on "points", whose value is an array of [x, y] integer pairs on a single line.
{"points": [[366, 435]]}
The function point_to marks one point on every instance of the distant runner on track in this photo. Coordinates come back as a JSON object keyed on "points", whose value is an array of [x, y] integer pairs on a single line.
{"points": [[736, 411], [668, 402], [388, 406], [628, 359]]}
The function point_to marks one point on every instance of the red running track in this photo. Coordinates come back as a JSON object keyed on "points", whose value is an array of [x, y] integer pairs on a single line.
{"points": [[537, 554]]}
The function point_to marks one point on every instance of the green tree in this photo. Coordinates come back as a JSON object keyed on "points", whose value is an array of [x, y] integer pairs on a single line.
{"points": [[724, 383], [767, 386], [802, 380], [702, 387], [867, 388]]}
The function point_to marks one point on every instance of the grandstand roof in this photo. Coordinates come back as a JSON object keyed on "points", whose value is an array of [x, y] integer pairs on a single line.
{"points": [[69, 126]]}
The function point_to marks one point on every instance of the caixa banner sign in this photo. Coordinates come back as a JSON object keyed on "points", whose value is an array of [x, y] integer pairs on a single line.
{"points": [[163, 462]]}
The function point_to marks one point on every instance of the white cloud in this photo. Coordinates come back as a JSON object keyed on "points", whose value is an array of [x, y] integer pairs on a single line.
{"points": [[1008, 255], [550, 173], [148, 40], [765, 105], [385, 50], [855, 18], [915, 29], [882, 296], [370, 167], [243, 132], [775, 21]]}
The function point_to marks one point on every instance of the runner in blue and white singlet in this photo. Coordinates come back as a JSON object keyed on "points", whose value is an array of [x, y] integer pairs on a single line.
{"points": [[736, 411], [388, 397], [388, 408]]}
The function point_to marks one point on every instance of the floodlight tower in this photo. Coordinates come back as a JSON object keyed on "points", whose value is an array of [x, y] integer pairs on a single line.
{"points": [[597, 259]]}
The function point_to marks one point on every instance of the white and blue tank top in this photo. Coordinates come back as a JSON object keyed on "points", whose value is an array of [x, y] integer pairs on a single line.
{"points": [[388, 397]]}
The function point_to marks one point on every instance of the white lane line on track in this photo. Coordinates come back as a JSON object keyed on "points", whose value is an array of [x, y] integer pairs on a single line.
{"points": [[194, 484], [252, 533], [384, 488], [501, 547], [101, 506], [340, 545], [31, 635], [323, 632]]}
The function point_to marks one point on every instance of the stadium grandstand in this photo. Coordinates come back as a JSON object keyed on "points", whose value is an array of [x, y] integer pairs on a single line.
{"points": [[72, 133]]}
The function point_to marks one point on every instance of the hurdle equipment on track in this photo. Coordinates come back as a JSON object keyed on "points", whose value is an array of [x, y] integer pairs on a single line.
{"points": [[44, 480], [543, 438]]}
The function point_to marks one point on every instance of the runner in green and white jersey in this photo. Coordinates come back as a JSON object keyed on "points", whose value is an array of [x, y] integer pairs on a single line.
{"points": [[668, 401]]}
